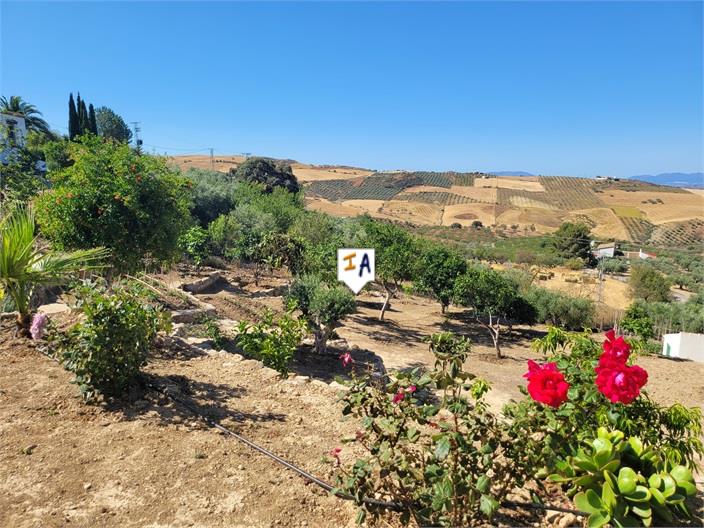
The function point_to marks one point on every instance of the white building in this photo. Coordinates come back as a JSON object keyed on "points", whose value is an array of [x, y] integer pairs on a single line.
{"points": [[605, 250], [684, 345], [13, 132]]}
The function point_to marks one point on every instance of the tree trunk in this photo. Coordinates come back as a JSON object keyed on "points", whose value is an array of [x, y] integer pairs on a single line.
{"points": [[387, 302], [443, 308], [24, 322]]}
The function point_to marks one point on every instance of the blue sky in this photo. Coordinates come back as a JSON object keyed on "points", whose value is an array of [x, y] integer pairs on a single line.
{"points": [[551, 88]]}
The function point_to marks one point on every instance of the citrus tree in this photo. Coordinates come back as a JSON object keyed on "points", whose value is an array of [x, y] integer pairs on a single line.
{"points": [[112, 197]]}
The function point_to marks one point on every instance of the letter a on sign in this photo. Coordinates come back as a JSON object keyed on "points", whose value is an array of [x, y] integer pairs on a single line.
{"points": [[355, 267]]}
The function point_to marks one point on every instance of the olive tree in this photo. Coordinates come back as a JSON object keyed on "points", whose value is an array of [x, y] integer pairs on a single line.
{"points": [[323, 306], [493, 299]]}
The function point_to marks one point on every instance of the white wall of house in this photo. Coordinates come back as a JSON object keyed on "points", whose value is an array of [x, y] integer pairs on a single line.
{"points": [[11, 126], [14, 124], [684, 345]]}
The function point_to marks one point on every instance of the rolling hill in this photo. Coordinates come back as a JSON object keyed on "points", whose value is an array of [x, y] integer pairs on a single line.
{"points": [[625, 209]]}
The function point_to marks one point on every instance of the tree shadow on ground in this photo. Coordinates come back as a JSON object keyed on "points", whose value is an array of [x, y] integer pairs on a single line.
{"points": [[328, 366], [176, 399], [387, 330]]}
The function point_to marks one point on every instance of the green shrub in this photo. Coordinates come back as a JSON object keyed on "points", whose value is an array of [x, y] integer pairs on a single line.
{"points": [[213, 332], [322, 306], [625, 482], [574, 264], [636, 321], [194, 243], [273, 342], [613, 265], [106, 350], [444, 461], [268, 172], [573, 313], [213, 194], [111, 197], [648, 284]]}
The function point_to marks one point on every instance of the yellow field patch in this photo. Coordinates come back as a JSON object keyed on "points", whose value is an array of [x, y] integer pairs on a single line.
{"points": [[607, 225], [627, 211], [659, 207], [417, 213], [332, 208], [465, 214], [543, 220], [308, 173]]}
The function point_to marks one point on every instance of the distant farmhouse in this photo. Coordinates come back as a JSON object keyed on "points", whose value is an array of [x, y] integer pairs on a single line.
{"points": [[609, 249], [13, 133]]}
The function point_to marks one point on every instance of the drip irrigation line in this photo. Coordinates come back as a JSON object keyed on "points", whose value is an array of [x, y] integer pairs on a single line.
{"points": [[393, 506]]}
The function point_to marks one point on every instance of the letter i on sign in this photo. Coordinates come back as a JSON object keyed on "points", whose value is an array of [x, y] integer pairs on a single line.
{"points": [[355, 267]]}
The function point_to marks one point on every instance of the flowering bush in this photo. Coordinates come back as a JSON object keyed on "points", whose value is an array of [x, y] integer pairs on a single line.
{"points": [[38, 328], [603, 391], [444, 461]]}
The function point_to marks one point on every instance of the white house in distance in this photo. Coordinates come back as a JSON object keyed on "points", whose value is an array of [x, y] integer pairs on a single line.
{"points": [[13, 131], [606, 250], [684, 345]]}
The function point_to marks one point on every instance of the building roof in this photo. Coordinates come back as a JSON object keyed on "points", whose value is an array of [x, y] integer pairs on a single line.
{"points": [[607, 245]]}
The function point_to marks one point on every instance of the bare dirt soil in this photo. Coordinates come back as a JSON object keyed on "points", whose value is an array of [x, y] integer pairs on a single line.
{"points": [[149, 463]]}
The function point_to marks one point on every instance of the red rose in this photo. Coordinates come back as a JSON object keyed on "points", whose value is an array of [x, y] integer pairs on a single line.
{"points": [[616, 350], [620, 383], [546, 384], [398, 397]]}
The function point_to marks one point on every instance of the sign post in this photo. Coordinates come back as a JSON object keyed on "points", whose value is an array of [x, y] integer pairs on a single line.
{"points": [[355, 267]]}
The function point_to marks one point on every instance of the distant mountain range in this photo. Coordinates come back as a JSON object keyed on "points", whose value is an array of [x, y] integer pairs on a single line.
{"points": [[674, 179], [511, 173]]}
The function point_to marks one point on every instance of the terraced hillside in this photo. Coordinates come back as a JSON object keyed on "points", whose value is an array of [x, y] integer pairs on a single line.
{"points": [[614, 209]]}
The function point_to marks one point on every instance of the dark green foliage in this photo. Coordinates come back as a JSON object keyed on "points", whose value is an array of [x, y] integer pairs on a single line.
{"points": [[57, 155], [110, 125], [110, 197], [19, 178], [613, 265], [213, 194], [636, 321], [494, 298], [396, 252], [573, 241], [573, 313], [274, 342], [267, 172], [648, 284], [280, 249], [108, 347], [322, 306], [73, 126], [92, 123], [438, 268]]}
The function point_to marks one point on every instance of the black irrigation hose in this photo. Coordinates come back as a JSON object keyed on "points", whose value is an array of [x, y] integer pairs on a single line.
{"points": [[393, 506]]}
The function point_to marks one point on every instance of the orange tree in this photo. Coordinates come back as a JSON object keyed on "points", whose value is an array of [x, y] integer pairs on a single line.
{"points": [[112, 197]]}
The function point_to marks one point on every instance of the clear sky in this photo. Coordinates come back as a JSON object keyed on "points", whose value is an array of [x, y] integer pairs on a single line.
{"points": [[546, 87]]}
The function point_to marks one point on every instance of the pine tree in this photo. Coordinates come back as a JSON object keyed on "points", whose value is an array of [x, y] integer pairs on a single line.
{"points": [[72, 118], [91, 119]]}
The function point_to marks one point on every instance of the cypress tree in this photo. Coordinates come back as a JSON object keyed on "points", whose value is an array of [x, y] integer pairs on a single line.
{"points": [[91, 119], [79, 102], [83, 118], [72, 118]]}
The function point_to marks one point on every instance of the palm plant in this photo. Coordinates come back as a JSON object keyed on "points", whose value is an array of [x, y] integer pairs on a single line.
{"points": [[24, 266], [31, 115]]}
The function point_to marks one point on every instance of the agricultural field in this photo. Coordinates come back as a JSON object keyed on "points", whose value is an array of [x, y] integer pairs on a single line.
{"points": [[623, 210]]}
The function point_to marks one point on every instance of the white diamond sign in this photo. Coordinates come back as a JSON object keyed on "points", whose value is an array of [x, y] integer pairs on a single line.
{"points": [[355, 267]]}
